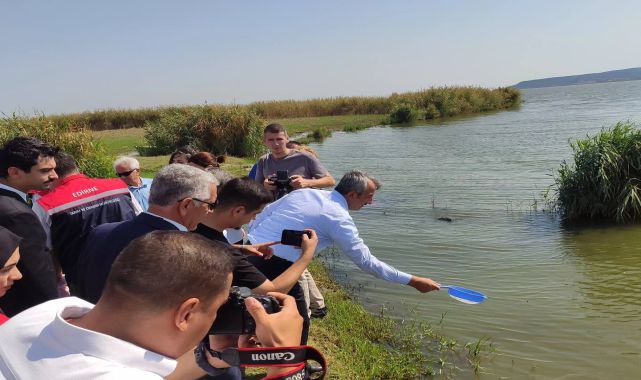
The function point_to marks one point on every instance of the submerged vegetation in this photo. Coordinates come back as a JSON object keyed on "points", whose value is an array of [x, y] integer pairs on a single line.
{"points": [[604, 182]]}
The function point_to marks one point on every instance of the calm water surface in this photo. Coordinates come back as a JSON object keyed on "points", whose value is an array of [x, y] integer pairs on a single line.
{"points": [[563, 304]]}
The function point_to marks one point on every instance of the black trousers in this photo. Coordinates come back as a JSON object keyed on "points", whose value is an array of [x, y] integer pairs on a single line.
{"points": [[273, 268]]}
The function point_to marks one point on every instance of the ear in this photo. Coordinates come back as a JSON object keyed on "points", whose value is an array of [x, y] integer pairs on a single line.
{"points": [[13, 171], [184, 315], [238, 210], [183, 206]]}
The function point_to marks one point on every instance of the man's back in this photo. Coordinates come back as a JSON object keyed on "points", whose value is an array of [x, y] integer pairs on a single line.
{"points": [[75, 207], [73, 352], [104, 244], [304, 208]]}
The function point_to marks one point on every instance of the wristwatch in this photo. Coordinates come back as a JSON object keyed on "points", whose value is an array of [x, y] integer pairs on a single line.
{"points": [[201, 360]]}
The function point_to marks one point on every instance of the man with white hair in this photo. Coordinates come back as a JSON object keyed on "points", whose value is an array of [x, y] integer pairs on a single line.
{"points": [[128, 170], [180, 198]]}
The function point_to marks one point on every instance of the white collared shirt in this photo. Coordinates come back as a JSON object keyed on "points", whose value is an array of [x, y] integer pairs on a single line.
{"points": [[13, 189], [326, 213], [178, 225], [40, 344]]}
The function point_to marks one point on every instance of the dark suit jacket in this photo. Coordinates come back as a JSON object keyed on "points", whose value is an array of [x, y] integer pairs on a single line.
{"points": [[39, 281], [104, 244]]}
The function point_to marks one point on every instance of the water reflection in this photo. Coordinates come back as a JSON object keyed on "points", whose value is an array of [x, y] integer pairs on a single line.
{"points": [[562, 304]]}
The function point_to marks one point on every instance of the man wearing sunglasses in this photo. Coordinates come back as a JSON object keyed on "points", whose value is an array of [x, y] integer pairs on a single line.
{"points": [[180, 198], [128, 170]]}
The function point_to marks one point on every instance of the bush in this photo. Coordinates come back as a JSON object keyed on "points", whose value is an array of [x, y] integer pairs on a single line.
{"points": [[403, 113], [604, 183], [72, 138], [232, 130]]}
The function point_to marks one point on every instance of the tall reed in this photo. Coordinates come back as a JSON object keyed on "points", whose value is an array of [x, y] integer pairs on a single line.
{"points": [[603, 184]]}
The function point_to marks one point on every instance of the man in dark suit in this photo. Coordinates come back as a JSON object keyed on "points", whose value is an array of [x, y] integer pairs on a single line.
{"points": [[180, 197], [27, 164]]}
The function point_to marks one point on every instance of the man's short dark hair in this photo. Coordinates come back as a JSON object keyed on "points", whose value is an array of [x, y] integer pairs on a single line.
{"points": [[23, 153], [243, 192], [274, 128], [164, 268], [65, 164]]}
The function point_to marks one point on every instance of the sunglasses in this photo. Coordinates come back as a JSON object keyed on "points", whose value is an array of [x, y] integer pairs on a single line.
{"points": [[210, 205], [126, 174]]}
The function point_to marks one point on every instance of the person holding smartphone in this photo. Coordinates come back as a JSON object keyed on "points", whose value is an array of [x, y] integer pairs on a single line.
{"points": [[327, 213]]}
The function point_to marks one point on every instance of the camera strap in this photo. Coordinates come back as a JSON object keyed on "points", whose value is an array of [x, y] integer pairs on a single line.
{"points": [[296, 356]]}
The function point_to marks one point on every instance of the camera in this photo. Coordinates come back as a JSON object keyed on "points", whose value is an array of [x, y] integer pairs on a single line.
{"points": [[233, 317], [281, 180], [293, 237]]}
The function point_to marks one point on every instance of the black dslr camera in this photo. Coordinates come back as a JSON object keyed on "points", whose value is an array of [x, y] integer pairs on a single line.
{"points": [[233, 317], [281, 180]]}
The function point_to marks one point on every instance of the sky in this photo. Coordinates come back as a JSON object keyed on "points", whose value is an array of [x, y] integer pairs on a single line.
{"points": [[71, 56]]}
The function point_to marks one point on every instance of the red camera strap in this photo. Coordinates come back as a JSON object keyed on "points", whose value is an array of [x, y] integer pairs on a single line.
{"points": [[296, 356]]}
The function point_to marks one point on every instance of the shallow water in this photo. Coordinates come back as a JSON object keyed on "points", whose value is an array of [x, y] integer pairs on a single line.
{"points": [[563, 304]]}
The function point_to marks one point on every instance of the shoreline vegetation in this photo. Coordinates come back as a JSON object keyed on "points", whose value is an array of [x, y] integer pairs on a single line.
{"points": [[356, 343]]}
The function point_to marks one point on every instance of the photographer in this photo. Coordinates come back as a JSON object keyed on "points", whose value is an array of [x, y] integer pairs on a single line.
{"points": [[161, 298], [304, 170]]}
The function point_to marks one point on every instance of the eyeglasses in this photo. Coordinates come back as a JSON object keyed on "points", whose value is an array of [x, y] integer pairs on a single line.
{"points": [[126, 174], [211, 206]]}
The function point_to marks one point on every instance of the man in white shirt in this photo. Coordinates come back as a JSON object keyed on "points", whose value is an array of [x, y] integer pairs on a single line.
{"points": [[161, 298], [327, 213]]}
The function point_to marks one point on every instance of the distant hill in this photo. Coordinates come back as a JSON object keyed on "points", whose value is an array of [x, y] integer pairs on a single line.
{"points": [[608, 76]]}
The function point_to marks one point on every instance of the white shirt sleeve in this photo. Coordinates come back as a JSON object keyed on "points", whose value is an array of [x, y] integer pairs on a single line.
{"points": [[345, 234]]}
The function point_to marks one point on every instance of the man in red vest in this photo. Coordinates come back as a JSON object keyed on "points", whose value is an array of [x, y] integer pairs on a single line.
{"points": [[75, 206]]}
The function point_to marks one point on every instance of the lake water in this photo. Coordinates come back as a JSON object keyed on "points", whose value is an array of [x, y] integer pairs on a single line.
{"points": [[563, 304]]}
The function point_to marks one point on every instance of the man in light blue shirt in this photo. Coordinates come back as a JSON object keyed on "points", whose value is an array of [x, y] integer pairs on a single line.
{"points": [[327, 213], [128, 169]]}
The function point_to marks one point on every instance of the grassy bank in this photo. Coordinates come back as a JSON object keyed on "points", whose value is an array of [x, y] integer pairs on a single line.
{"points": [[431, 103]]}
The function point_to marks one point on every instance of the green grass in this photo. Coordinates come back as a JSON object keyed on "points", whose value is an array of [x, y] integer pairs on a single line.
{"points": [[300, 125], [120, 141]]}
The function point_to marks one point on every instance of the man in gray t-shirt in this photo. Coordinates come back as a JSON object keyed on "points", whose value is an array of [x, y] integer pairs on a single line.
{"points": [[304, 169]]}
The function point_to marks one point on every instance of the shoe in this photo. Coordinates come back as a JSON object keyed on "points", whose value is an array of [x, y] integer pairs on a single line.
{"points": [[319, 313]]}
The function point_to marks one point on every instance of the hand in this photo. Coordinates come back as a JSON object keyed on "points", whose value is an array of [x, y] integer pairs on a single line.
{"points": [[423, 284], [269, 185], [309, 243], [264, 249], [282, 329], [298, 182]]}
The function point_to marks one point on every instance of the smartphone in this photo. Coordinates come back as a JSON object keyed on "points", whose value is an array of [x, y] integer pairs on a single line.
{"points": [[293, 237]]}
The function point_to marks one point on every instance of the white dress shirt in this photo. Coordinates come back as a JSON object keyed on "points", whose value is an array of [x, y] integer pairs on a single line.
{"points": [[40, 344], [326, 213]]}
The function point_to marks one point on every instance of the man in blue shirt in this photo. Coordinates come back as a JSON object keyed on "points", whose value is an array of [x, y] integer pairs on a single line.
{"points": [[128, 169]]}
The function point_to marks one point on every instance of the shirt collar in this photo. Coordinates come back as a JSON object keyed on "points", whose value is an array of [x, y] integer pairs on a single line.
{"points": [[106, 347], [14, 190], [70, 178], [340, 199], [176, 224], [143, 184]]}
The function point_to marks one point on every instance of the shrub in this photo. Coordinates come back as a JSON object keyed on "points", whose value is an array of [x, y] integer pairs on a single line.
{"points": [[72, 138], [403, 113], [604, 183], [233, 130]]}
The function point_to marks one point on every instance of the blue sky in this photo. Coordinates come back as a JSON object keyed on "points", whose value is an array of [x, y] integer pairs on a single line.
{"points": [[70, 56]]}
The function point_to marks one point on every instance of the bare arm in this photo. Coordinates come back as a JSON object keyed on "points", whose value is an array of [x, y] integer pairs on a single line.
{"points": [[298, 182], [288, 279]]}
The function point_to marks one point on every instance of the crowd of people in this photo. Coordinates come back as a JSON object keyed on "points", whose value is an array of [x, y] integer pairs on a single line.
{"points": [[125, 276]]}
